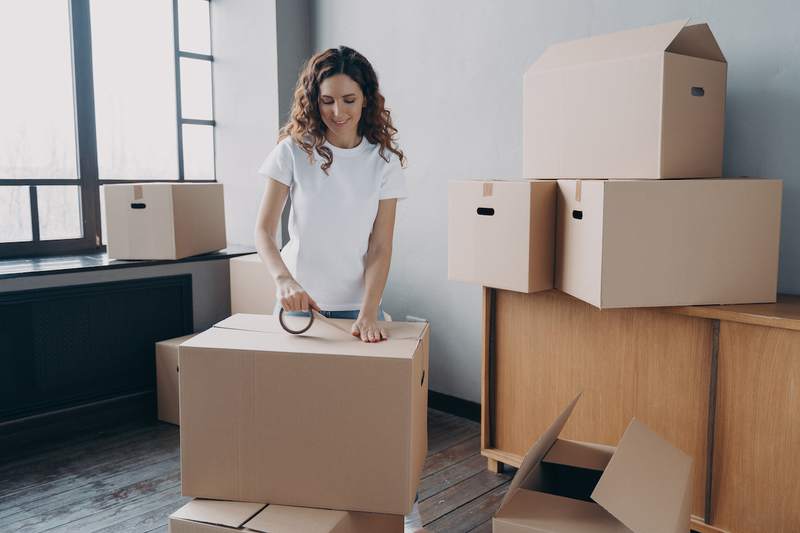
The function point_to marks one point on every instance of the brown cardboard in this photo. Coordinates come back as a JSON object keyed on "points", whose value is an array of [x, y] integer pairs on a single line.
{"points": [[627, 105], [642, 485], [314, 420], [645, 243], [214, 516], [252, 286], [164, 220], [167, 378], [511, 219]]}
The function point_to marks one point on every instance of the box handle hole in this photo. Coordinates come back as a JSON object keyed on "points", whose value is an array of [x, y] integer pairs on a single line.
{"points": [[577, 214], [486, 211], [698, 91], [421, 381], [138, 205]]}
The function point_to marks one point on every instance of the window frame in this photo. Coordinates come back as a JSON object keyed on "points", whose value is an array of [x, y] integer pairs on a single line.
{"points": [[88, 180]]}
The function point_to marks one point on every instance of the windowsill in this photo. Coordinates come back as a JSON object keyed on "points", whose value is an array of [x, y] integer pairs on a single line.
{"points": [[38, 266]]}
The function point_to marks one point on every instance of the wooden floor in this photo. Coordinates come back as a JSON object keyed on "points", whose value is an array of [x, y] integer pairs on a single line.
{"points": [[128, 481]]}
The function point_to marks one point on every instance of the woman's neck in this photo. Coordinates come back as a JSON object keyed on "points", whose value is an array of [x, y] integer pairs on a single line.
{"points": [[343, 142]]}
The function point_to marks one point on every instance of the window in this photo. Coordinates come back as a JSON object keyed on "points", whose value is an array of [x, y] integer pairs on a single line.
{"points": [[100, 92]]}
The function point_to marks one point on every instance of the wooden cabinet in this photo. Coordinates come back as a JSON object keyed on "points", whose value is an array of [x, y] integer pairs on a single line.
{"points": [[722, 383]]}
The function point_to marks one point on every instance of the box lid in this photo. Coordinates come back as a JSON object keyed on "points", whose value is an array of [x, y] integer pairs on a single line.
{"points": [[223, 513], [326, 336], [675, 36], [647, 483], [280, 518]]}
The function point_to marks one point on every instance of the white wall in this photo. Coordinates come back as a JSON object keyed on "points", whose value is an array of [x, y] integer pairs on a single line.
{"points": [[244, 44], [452, 74]]}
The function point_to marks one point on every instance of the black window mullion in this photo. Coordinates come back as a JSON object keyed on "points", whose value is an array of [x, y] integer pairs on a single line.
{"points": [[34, 204], [179, 113], [85, 129]]}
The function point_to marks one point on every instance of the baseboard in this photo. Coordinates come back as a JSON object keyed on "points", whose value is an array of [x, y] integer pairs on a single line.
{"points": [[454, 406]]}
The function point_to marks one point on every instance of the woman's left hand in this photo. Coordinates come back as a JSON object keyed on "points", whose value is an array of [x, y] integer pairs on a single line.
{"points": [[368, 330]]}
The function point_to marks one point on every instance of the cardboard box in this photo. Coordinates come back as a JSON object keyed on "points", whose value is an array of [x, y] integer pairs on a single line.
{"points": [[500, 233], [314, 420], [643, 103], [167, 379], [164, 220], [639, 243], [643, 485], [212, 516], [252, 286]]}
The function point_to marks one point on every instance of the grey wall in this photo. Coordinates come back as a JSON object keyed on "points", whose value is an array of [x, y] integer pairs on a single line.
{"points": [[452, 74]]}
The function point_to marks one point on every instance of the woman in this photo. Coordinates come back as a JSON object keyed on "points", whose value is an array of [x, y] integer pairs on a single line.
{"points": [[339, 163]]}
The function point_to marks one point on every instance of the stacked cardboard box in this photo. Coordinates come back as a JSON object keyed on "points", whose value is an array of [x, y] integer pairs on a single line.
{"points": [[163, 220], [320, 420], [625, 207]]}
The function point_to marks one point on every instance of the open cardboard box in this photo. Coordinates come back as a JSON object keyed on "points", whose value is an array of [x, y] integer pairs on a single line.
{"points": [[167, 373], [215, 516], [642, 486], [641, 103], [313, 420]]}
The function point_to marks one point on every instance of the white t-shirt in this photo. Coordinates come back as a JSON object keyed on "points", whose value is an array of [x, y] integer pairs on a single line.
{"points": [[332, 215]]}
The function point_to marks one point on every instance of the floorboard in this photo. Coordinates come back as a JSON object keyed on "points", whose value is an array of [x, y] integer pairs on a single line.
{"points": [[128, 481]]}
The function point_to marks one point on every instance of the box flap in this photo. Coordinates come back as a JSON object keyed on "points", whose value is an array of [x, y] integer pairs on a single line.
{"points": [[580, 454], [539, 511], [537, 452], [623, 44], [224, 513], [697, 41], [647, 483], [283, 519]]}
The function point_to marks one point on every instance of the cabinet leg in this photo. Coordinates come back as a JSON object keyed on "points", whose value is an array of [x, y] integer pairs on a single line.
{"points": [[495, 466]]}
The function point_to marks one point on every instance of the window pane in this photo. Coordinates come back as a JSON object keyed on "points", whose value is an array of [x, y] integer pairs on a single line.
{"points": [[198, 152], [15, 214], [196, 89], [194, 33], [134, 89], [59, 212], [37, 130]]}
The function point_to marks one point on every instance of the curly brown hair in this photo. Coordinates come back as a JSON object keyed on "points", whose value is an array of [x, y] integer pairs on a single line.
{"points": [[305, 124]]}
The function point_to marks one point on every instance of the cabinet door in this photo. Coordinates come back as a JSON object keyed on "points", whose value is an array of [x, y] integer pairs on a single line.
{"points": [[649, 364], [757, 432]]}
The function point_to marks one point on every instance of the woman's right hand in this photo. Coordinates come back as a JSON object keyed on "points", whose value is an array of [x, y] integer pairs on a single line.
{"points": [[293, 297]]}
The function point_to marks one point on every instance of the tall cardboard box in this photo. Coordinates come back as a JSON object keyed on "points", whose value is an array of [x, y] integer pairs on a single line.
{"points": [[643, 103], [500, 233], [641, 486], [640, 243], [164, 220], [314, 420], [213, 516], [252, 286], [167, 373]]}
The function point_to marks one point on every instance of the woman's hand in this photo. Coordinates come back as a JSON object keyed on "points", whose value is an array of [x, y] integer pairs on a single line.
{"points": [[292, 296], [368, 329]]}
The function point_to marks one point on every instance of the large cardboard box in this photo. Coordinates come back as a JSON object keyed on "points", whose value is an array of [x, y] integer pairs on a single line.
{"points": [[642, 486], [252, 286], [167, 372], [639, 243], [643, 103], [213, 516], [164, 220], [500, 233], [314, 420]]}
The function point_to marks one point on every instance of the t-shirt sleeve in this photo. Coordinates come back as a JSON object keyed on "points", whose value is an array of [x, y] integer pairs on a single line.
{"points": [[279, 164], [393, 184]]}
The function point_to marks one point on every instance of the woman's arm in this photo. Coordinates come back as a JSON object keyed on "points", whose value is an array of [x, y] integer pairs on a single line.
{"points": [[291, 295], [376, 271]]}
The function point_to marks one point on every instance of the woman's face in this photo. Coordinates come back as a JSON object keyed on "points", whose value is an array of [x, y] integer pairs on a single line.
{"points": [[340, 105]]}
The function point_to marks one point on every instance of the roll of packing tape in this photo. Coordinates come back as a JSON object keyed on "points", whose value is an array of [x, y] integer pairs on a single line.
{"points": [[296, 331]]}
